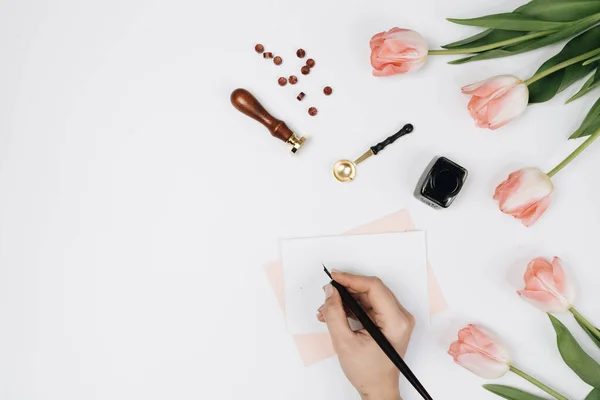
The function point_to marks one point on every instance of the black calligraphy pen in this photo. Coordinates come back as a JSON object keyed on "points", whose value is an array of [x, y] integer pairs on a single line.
{"points": [[378, 336]]}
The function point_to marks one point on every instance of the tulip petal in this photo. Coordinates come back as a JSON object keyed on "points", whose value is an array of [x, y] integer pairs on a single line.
{"points": [[504, 109], [496, 101], [377, 40], [488, 343], [407, 67], [395, 31], [478, 109], [480, 352], [387, 55], [477, 105], [482, 366], [546, 279], [397, 51], [532, 185], [537, 283], [535, 212], [375, 61], [561, 282], [457, 348], [492, 87], [534, 266], [406, 35], [385, 71], [525, 195], [542, 288], [558, 274], [506, 188], [547, 286], [544, 301], [470, 89]]}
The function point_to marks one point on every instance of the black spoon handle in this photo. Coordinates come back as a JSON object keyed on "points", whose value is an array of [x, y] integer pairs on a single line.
{"points": [[408, 128]]}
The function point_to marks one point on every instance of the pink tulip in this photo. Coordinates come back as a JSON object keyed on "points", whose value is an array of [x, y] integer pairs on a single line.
{"points": [[479, 352], [525, 195], [397, 51], [547, 286], [497, 101]]}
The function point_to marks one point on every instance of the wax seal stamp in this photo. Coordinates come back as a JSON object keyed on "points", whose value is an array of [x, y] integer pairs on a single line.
{"points": [[247, 104], [441, 182]]}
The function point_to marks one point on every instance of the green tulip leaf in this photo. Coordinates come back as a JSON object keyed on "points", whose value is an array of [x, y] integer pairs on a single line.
{"points": [[548, 87], [590, 124], [594, 395], [560, 10], [574, 29], [469, 40], [462, 60], [591, 60], [548, 10], [511, 393], [592, 83], [511, 22], [595, 338], [499, 53], [487, 37], [574, 356], [588, 129], [584, 14], [591, 334], [533, 44]]}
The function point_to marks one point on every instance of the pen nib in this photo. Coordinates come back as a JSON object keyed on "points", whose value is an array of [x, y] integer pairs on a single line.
{"points": [[326, 271]]}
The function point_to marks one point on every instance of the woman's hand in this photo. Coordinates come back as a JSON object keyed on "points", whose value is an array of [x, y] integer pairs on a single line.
{"points": [[367, 367]]}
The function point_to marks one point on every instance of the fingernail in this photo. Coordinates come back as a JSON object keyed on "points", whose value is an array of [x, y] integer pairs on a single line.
{"points": [[336, 271], [328, 289], [320, 309]]}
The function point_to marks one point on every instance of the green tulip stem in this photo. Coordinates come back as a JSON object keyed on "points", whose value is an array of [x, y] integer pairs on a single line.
{"points": [[574, 154], [537, 383], [492, 46], [585, 322], [562, 65]]}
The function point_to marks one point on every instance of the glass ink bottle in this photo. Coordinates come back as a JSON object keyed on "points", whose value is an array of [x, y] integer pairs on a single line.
{"points": [[441, 182]]}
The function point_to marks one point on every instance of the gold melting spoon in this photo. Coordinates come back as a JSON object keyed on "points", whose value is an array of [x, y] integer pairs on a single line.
{"points": [[345, 170]]}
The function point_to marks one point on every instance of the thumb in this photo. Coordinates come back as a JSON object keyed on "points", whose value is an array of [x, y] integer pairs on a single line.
{"points": [[335, 316]]}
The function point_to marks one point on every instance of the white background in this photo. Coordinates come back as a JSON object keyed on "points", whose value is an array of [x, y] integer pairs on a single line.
{"points": [[137, 207]]}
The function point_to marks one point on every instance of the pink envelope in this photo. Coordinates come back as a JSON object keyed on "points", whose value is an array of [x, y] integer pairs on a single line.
{"points": [[317, 346]]}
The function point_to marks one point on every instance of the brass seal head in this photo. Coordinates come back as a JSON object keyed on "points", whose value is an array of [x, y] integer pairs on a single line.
{"points": [[296, 142]]}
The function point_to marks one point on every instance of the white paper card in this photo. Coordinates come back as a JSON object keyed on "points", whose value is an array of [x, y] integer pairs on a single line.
{"points": [[399, 259]]}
